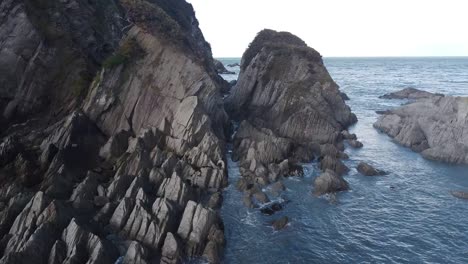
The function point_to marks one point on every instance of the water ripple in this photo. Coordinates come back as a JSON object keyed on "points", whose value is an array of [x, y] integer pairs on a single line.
{"points": [[416, 221]]}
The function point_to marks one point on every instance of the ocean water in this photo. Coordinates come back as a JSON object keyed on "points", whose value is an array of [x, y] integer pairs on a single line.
{"points": [[408, 216]]}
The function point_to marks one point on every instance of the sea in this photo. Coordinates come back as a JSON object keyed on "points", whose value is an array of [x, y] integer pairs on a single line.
{"points": [[407, 216]]}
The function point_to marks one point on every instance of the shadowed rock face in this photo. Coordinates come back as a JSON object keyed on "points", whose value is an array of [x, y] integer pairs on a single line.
{"points": [[287, 105], [49, 52], [436, 127], [137, 156]]}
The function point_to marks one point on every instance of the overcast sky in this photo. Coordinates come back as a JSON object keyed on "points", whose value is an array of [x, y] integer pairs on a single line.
{"points": [[341, 27]]}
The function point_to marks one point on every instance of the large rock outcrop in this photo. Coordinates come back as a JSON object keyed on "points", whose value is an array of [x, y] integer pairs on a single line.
{"points": [[288, 108], [114, 152], [436, 127], [49, 52], [409, 93]]}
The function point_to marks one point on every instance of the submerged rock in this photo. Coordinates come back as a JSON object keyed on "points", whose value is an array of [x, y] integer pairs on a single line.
{"points": [[460, 194], [271, 208], [280, 223], [410, 93], [435, 127]]}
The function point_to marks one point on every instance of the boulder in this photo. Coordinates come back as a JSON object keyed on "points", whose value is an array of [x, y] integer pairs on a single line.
{"points": [[367, 170], [333, 164], [171, 251], [355, 143], [329, 182], [347, 135]]}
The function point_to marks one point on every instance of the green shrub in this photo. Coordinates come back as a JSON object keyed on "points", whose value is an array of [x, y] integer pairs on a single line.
{"points": [[128, 50]]}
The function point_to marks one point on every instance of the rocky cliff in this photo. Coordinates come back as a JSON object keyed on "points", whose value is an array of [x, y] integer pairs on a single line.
{"points": [[289, 110], [437, 127], [114, 143]]}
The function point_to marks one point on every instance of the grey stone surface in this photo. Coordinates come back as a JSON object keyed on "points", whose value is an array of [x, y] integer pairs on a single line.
{"points": [[436, 127]]}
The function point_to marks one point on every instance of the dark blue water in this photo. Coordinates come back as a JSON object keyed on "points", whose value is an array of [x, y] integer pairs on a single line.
{"points": [[417, 221]]}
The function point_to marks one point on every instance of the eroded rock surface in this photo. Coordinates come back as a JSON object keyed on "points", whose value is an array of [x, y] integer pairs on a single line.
{"points": [[114, 143], [436, 127], [220, 69], [367, 170], [288, 107], [329, 182], [410, 93]]}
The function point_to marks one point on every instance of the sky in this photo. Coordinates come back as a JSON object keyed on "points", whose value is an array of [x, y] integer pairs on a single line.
{"points": [[340, 28]]}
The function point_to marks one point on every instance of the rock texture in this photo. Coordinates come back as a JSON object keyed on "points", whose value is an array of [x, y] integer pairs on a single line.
{"points": [[329, 182], [220, 69], [289, 109], [436, 127], [367, 170], [49, 52], [114, 141], [410, 93]]}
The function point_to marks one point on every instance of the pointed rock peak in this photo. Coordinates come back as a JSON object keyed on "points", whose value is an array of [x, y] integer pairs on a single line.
{"points": [[274, 39]]}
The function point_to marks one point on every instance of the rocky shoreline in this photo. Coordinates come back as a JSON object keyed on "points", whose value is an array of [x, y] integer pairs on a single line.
{"points": [[434, 125], [116, 125]]}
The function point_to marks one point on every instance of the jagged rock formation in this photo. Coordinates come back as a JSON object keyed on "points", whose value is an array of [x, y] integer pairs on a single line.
{"points": [[114, 147], [220, 69], [289, 110], [409, 93], [49, 52], [436, 127]]}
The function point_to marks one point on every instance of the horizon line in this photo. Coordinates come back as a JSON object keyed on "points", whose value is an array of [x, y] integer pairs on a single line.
{"points": [[364, 57]]}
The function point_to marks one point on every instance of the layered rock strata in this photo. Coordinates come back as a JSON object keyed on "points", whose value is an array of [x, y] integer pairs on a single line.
{"points": [[437, 127], [289, 110], [130, 167]]}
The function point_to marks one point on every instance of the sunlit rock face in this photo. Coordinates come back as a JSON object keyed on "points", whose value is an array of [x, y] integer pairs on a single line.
{"points": [[287, 106], [437, 127]]}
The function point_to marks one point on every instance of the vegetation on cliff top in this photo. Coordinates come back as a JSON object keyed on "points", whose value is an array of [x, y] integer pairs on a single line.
{"points": [[128, 50], [276, 41]]}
